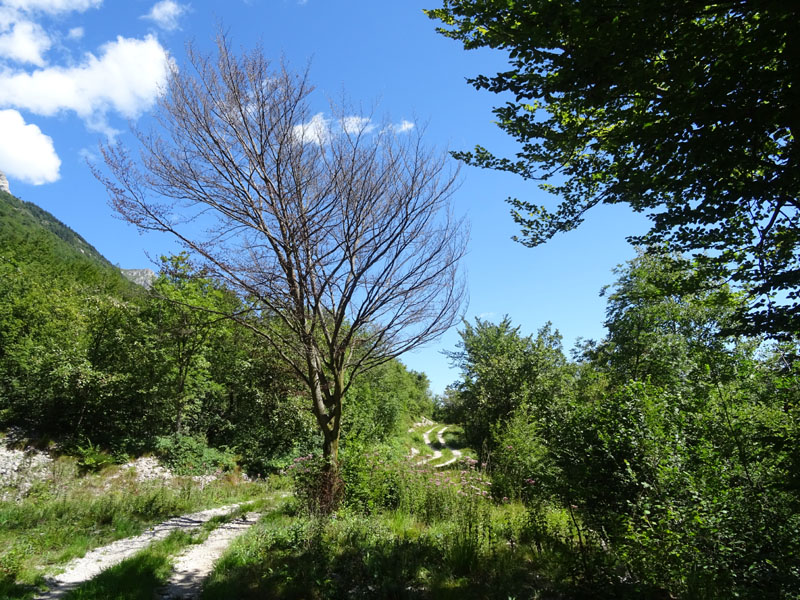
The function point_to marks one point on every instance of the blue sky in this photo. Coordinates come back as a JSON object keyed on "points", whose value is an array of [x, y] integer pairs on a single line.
{"points": [[74, 72]]}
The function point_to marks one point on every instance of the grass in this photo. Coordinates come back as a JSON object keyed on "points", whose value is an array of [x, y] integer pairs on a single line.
{"points": [[67, 515], [414, 440], [454, 437], [392, 555], [406, 531]]}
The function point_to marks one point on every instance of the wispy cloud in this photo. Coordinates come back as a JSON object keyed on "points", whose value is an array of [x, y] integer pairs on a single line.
{"points": [[316, 131], [320, 130], [166, 14], [357, 125], [26, 153], [53, 6], [404, 126]]}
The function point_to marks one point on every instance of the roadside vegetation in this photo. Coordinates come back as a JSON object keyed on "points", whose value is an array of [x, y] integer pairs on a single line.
{"points": [[67, 514]]}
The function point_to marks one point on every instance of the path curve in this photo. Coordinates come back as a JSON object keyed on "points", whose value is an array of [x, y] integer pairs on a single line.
{"points": [[194, 565], [426, 437], [98, 560], [456, 453]]}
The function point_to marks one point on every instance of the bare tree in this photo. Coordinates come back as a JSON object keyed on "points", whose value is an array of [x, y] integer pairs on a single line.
{"points": [[339, 229]]}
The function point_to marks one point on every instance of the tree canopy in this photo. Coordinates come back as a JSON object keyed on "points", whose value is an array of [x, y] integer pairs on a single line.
{"points": [[688, 111]]}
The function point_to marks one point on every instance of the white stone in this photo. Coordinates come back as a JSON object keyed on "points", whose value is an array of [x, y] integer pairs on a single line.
{"points": [[4, 183]]}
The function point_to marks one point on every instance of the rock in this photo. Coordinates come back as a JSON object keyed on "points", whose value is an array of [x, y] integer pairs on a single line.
{"points": [[142, 277], [20, 470]]}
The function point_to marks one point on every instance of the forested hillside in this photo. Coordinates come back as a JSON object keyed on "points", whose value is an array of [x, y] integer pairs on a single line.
{"points": [[31, 236], [659, 461], [93, 361]]}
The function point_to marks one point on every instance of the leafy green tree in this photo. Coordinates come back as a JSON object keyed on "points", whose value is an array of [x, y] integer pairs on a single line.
{"points": [[686, 110], [678, 453], [657, 331], [384, 401], [502, 370], [185, 311]]}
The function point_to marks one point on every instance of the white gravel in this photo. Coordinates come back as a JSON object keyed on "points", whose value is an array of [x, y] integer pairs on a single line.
{"points": [[437, 453], [195, 564], [20, 469], [427, 439], [98, 560], [456, 453]]}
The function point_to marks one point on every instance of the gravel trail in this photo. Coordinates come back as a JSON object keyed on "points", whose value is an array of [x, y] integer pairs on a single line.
{"points": [[456, 453], [427, 439], [195, 564], [437, 453], [98, 560]]}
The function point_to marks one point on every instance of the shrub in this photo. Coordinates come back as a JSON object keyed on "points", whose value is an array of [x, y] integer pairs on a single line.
{"points": [[318, 485], [92, 458], [187, 455]]}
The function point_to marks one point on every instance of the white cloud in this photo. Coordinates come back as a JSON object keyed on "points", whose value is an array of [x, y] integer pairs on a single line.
{"points": [[316, 131], [88, 156], [53, 6], [357, 125], [22, 40], [25, 152], [320, 130], [75, 33], [166, 13], [126, 78], [404, 127]]}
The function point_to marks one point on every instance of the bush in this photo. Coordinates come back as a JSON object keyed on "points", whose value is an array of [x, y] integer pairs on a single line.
{"points": [[187, 455], [520, 466], [318, 485], [372, 478], [92, 458]]}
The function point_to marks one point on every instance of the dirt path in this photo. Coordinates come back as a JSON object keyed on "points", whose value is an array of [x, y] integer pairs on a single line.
{"points": [[426, 437], [98, 560], [195, 564], [456, 453]]}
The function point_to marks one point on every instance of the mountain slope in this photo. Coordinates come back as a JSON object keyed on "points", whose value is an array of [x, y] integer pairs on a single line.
{"points": [[31, 235]]}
